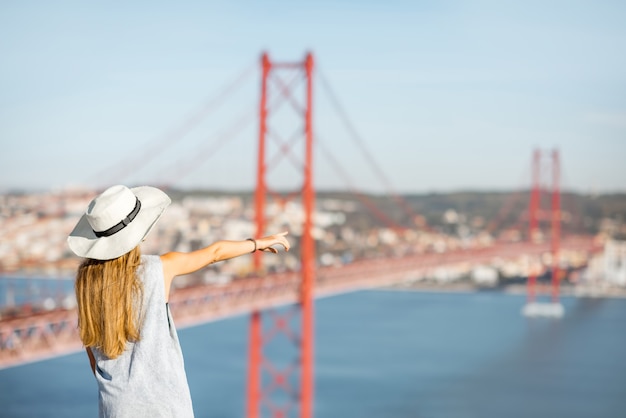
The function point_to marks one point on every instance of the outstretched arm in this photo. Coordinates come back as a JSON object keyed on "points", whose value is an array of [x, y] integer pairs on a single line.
{"points": [[176, 263]]}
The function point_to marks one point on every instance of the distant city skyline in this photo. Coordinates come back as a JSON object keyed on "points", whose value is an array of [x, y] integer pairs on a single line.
{"points": [[445, 96]]}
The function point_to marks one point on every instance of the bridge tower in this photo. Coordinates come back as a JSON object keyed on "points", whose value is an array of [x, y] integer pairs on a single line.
{"points": [[284, 390], [535, 214]]}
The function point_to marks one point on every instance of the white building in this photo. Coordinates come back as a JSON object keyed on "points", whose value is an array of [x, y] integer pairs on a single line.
{"points": [[615, 262]]}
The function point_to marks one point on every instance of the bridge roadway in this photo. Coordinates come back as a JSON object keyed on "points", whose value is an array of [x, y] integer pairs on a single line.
{"points": [[53, 333]]}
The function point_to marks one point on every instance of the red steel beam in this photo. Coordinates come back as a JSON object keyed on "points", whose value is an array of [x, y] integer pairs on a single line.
{"points": [[257, 396], [255, 355], [308, 255]]}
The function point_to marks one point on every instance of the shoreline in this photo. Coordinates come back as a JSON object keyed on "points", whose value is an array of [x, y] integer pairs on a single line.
{"points": [[514, 289]]}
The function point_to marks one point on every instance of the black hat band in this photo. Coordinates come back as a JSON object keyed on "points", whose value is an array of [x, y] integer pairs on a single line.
{"points": [[122, 224]]}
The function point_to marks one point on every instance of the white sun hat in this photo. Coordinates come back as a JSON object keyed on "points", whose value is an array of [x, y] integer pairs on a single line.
{"points": [[117, 221]]}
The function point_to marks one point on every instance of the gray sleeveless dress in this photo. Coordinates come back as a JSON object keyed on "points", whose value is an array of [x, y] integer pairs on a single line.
{"points": [[148, 379]]}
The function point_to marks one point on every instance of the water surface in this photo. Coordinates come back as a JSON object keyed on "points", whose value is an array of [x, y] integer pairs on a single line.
{"points": [[391, 354]]}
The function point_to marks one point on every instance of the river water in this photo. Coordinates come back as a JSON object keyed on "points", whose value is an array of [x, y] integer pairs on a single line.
{"points": [[392, 354]]}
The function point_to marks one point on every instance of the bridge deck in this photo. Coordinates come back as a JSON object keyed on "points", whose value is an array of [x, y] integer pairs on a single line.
{"points": [[53, 333]]}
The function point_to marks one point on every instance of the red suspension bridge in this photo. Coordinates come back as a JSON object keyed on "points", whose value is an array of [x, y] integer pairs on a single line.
{"points": [[289, 391]]}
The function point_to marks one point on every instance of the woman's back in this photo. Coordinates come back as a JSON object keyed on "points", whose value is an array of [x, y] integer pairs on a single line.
{"points": [[148, 378]]}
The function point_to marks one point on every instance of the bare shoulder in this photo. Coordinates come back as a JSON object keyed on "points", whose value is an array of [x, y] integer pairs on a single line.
{"points": [[167, 257], [169, 262], [174, 264]]}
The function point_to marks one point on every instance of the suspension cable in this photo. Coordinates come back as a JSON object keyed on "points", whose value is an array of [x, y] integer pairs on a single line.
{"points": [[358, 140], [121, 169]]}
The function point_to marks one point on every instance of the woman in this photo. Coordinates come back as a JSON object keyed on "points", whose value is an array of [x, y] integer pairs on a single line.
{"points": [[124, 320]]}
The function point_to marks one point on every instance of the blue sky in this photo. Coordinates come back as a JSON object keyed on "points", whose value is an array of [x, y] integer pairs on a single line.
{"points": [[446, 95]]}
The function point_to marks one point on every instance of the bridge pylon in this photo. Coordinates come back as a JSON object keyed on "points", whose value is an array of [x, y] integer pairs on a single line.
{"points": [[284, 390], [535, 214]]}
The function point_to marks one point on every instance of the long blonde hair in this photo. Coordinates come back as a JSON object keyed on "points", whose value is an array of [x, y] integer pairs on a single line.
{"points": [[109, 294]]}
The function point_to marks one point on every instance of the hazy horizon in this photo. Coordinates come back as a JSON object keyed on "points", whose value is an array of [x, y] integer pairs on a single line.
{"points": [[441, 96]]}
